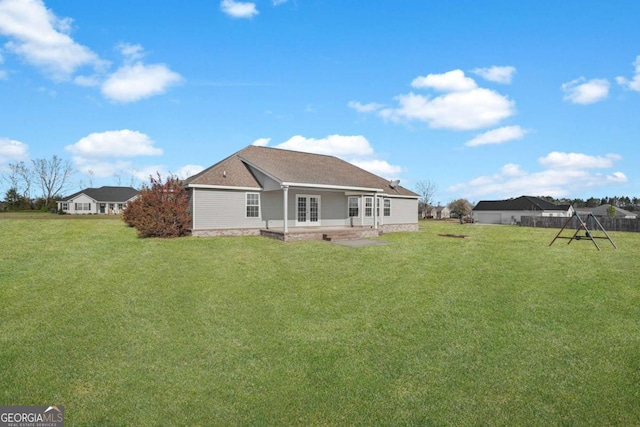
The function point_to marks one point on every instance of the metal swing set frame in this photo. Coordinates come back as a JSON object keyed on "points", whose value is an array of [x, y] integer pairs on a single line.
{"points": [[582, 226]]}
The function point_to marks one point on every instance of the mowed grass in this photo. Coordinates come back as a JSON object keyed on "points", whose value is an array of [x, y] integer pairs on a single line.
{"points": [[495, 329]]}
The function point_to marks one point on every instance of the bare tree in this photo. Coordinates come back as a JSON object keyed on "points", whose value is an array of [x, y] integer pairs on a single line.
{"points": [[52, 175], [20, 178], [91, 174], [117, 176], [426, 189]]}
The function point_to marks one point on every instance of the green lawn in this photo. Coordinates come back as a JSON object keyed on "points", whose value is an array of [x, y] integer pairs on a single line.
{"points": [[496, 329]]}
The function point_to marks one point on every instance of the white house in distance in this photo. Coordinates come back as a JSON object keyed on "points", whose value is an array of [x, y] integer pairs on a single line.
{"points": [[283, 194], [512, 210], [103, 200]]}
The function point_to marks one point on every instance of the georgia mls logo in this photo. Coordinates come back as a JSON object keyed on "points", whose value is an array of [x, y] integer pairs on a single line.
{"points": [[32, 416]]}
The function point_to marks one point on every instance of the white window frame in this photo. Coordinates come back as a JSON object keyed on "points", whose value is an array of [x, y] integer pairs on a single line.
{"points": [[368, 207], [357, 207], [308, 198], [247, 205], [386, 211]]}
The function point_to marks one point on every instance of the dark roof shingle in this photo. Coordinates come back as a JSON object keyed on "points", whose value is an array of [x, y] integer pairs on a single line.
{"points": [[522, 203], [106, 194]]}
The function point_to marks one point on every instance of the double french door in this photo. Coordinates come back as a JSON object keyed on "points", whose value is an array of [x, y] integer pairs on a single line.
{"points": [[307, 210]]}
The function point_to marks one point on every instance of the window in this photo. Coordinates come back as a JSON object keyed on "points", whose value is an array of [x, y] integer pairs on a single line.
{"points": [[120, 206], [83, 206], [353, 206], [253, 205], [65, 206], [368, 206], [387, 207]]}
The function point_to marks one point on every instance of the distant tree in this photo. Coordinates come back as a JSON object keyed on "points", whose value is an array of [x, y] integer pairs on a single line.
{"points": [[15, 201], [592, 202], [19, 176], [578, 203], [161, 210], [117, 176], [426, 189], [460, 207], [52, 175], [611, 211]]}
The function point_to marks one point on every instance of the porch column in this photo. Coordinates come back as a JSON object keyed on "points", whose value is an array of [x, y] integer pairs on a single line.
{"points": [[285, 192], [375, 211]]}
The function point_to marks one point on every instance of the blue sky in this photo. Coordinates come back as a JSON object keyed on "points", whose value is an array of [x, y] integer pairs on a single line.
{"points": [[486, 99]]}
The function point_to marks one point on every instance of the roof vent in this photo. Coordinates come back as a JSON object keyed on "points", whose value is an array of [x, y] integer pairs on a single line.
{"points": [[224, 174], [394, 183]]}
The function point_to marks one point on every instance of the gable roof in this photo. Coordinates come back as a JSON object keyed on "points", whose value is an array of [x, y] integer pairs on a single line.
{"points": [[602, 211], [293, 168], [106, 194], [522, 203]]}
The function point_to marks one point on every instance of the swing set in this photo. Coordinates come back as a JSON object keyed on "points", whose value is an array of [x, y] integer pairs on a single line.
{"points": [[582, 226]]}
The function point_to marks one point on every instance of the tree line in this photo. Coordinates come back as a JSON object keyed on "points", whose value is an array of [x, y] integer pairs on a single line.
{"points": [[624, 202]]}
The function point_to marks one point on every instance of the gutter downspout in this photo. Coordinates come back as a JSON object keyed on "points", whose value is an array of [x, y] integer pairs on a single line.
{"points": [[375, 211]]}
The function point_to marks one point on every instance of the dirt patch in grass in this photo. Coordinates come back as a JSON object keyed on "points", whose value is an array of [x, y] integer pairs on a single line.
{"points": [[459, 236]]}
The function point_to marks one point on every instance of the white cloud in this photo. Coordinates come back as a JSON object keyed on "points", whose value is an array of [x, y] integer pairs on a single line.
{"points": [[3, 74], [42, 39], [559, 160], [278, 2], [261, 142], [364, 108], [634, 83], [511, 169], [354, 149], [498, 136], [12, 150], [564, 174], [132, 83], [118, 143], [379, 167], [237, 9], [333, 145], [186, 171], [131, 52], [451, 81], [462, 106], [101, 168], [581, 91], [145, 172], [496, 74], [475, 109]]}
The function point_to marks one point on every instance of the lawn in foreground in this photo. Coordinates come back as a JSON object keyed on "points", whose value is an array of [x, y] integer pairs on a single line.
{"points": [[496, 329]]}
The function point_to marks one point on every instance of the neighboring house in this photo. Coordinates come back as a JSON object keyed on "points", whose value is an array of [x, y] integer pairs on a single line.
{"points": [[103, 200], [261, 188], [603, 210], [437, 212], [510, 211]]}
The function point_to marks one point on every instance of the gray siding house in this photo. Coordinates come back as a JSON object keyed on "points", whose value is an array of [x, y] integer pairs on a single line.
{"points": [[103, 200], [510, 211], [262, 189], [603, 210]]}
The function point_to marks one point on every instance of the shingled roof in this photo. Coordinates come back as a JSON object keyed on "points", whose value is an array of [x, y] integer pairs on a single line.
{"points": [[290, 168], [522, 203], [106, 194]]}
